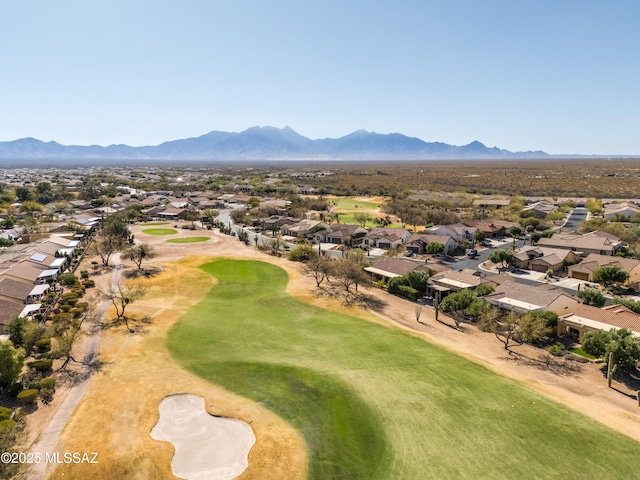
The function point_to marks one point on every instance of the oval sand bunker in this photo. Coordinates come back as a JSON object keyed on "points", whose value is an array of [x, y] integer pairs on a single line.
{"points": [[207, 447]]}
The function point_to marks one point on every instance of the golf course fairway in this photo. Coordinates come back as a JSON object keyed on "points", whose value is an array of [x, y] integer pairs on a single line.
{"points": [[373, 402]]}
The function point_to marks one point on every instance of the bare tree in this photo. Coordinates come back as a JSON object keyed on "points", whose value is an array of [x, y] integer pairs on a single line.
{"points": [[106, 246], [350, 270], [319, 267], [122, 296], [138, 253], [65, 333]]}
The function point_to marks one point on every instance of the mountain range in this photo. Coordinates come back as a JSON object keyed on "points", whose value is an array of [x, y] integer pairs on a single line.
{"points": [[265, 143]]}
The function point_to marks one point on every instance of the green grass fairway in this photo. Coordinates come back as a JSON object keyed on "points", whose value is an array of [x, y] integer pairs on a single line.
{"points": [[153, 224], [188, 240], [374, 402], [344, 204], [160, 231]]}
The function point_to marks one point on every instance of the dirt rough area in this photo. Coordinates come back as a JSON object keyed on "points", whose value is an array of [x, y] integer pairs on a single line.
{"points": [[121, 406]]}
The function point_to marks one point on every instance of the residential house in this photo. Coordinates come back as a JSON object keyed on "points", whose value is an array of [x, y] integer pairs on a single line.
{"points": [[417, 243], [303, 228], [8, 310], [341, 234], [621, 211], [388, 267], [451, 280], [492, 228], [524, 298], [385, 238], [543, 259], [495, 203], [584, 270], [586, 318], [538, 209], [274, 222], [593, 242]]}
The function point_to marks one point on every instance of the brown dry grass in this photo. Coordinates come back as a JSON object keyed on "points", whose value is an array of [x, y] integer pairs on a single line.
{"points": [[121, 406]]}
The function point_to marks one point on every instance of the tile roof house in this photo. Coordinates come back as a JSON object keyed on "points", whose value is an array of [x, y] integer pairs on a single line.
{"points": [[385, 238], [492, 228], [539, 209], [521, 297], [542, 259], [391, 267], [593, 242], [341, 234], [584, 270], [8, 310], [586, 318], [418, 242], [303, 228], [455, 280], [621, 211]]}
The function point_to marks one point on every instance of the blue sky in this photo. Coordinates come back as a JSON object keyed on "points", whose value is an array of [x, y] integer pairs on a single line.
{"points": [[561, 76]]}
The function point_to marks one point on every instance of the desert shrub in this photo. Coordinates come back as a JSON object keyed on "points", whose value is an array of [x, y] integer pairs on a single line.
{"points": [[88, 283], [77, 312], [483, 289], [557, 349], [65, 297], [43, 365], [48, 382], [65, 307], [46, 395], [84, 274], [68, 279], [61, 317], [84, 306], [409, 292], [43, 345], [5, 413], [301, 253], [28, 397]]}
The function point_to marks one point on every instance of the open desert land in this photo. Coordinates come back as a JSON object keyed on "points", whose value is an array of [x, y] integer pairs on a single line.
{"points": [[335, 391]]}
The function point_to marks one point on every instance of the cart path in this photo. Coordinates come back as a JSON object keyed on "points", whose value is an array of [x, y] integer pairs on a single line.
{"points": [[49, 439]]}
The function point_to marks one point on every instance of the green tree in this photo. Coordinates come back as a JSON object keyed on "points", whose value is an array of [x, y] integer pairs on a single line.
{"points": [[11, 363], [505, 257], [434, 248], [301, 253], [23, 194], [591, 296], [624, 346], [627, 302], [478, 236], [456, 303], [610, 275], [362, 218]]}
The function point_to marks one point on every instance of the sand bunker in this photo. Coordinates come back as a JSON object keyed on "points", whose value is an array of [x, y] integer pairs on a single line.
{"points": [[207, 447]]}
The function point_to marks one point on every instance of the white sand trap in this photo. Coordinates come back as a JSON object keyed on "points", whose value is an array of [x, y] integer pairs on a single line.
{"points": [[207, 447]]}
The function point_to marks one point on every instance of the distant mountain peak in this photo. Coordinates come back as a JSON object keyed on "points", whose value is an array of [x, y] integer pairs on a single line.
{"points": [[266, 143]]}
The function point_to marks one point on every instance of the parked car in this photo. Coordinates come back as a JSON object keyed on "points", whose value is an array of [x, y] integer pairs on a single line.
{"points": [[487, 243], [472, 253]]}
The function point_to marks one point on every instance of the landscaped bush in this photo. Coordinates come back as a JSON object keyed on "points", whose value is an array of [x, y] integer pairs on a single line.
{"points": [[557, 349], [77, 312], [28, 397], [5, 413], [61, 317], [84, 306], [84, 274], [43, 365], [67, 279], [89, 284], [43, 345], [48, 382], [409, 292], [65, 307]]}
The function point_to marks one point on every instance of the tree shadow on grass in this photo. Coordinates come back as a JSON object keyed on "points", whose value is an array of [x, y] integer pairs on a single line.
{"points": [[547, 362], [148, 272]]}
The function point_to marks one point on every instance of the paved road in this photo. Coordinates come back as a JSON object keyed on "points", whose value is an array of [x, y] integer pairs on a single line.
{"points": [[576, 217], [49, 439]]}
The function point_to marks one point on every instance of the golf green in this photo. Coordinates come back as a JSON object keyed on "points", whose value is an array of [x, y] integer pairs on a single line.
{"points": [[188, 240], [374, 402], [160, 231]]}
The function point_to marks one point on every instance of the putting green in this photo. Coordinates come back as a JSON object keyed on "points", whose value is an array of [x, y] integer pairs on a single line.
{"points": [[160, 231], [188, 240], [377, 403]]}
